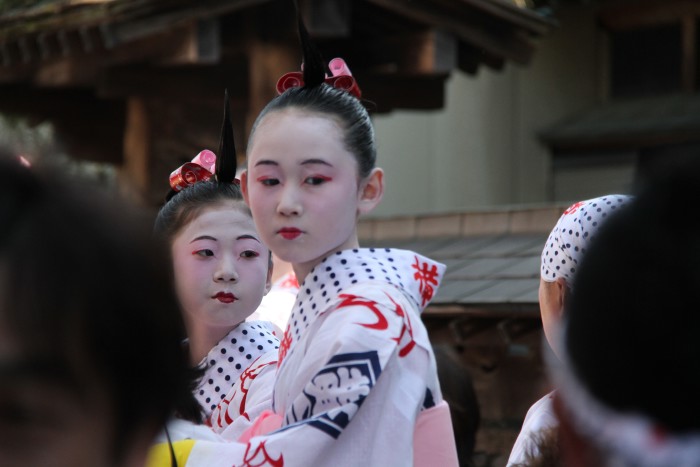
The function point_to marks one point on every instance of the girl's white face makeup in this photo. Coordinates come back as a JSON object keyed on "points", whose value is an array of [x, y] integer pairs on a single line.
{"points": [[220, 267], [302, 186]]}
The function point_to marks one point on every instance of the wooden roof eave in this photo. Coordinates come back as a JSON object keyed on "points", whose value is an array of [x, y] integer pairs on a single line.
{"points": [[120, 21], [627, 124], [525, 18], [502, 29]]}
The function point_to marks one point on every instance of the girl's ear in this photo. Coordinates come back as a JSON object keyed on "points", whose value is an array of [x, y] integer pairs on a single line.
{"points": [[244, 186], [371, 191], [563, 292]]}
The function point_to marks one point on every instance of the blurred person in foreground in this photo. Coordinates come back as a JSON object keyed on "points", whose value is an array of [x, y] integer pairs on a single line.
{"points": [[91, 363], [628, 379]]}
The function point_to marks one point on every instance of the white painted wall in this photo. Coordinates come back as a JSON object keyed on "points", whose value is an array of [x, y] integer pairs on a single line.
{"points": [[482, 149]]}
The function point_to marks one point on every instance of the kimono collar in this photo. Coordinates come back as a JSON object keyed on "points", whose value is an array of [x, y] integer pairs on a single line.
{"points": [[417, 276], [230, 357]]}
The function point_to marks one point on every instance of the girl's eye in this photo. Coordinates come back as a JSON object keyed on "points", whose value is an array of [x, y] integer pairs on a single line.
{"points": [[317, 180], [268, 181], [250, 254], [203, 253]]}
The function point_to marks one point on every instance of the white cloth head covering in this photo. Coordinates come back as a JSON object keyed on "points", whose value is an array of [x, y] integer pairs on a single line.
{"points": [[571, 236]]}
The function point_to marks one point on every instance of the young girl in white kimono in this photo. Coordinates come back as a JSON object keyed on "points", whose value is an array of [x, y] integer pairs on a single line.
{"points": [[357, 381], [222, 269], [565, 249]]}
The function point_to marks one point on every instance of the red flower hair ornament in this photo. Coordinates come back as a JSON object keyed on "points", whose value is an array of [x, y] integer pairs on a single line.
{"points": [[341, 78], [200, 169]]}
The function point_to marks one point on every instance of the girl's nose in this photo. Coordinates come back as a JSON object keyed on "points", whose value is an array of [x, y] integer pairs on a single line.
{"points": [[226, 272], [289, 203]]}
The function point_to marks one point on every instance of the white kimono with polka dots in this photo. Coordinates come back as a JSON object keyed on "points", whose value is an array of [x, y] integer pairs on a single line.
{"points": [[355, 368], [242, 349]]}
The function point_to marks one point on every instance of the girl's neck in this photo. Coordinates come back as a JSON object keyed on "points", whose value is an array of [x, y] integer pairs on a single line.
{"points": [[301, 270], [203, 338]]}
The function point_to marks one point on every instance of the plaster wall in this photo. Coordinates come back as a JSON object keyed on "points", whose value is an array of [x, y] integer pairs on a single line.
{"points": [[482, 149]]}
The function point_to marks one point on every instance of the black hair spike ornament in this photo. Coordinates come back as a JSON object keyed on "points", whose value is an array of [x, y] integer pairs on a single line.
{"points": [[226, 163], [206, 164], [313, 72]]}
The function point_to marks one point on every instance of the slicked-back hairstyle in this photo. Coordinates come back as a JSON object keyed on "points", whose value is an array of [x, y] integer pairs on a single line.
{"points": [[347, 110], [182, 208], [318, 97]]}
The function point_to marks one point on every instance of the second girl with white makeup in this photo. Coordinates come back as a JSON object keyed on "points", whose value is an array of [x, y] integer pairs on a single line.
{"points": [[222, 270]]}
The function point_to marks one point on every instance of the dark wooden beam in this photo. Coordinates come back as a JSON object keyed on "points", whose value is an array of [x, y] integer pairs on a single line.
{"points": [[524, 18], [477, 28], [163, 46], [328, 18], [470, 58], [70, 72], [173, 82], [384, 93], [422, 51], [157, 19], [621, 142], [645, 13], [198, 43], [74, 58]]}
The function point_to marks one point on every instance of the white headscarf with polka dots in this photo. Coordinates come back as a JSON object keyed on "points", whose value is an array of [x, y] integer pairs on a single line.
{"points": [[571, 236]]}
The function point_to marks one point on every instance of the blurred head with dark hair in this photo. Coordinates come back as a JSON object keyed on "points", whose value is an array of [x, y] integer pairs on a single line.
{"points": [[630, 384], [91, 363]]}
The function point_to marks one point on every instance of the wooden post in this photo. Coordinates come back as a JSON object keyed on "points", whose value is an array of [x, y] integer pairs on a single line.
{"points": [[267, 63], [134, 173]]}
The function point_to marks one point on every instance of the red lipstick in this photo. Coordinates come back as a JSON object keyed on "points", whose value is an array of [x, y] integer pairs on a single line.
{"points": [[225, 297], [290, 233]]}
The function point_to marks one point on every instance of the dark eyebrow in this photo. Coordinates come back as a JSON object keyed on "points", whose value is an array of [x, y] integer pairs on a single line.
{"points": [[248, 236], [203, 237], [305, 162], [265, 162], [316, 161]]}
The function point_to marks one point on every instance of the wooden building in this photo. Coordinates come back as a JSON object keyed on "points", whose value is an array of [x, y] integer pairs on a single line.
{"points": [[139, 83]]}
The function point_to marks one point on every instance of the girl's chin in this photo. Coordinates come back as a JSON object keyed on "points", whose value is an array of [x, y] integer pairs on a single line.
{"points": [[225, 318]]}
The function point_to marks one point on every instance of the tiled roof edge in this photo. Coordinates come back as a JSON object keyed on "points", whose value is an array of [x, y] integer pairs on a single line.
{"points": [[496, 221]]}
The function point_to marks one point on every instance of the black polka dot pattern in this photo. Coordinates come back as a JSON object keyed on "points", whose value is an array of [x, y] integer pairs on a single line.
{"points": [[350, 268], [230, 357], [573, 233]]}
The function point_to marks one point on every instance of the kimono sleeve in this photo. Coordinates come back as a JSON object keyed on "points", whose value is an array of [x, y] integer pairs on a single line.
{"points": [[348, 371]]}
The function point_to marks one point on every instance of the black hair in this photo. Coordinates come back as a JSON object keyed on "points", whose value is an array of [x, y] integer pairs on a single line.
{"points": [[317, 96], [84, 286], [190, 202], [633, 322]]}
